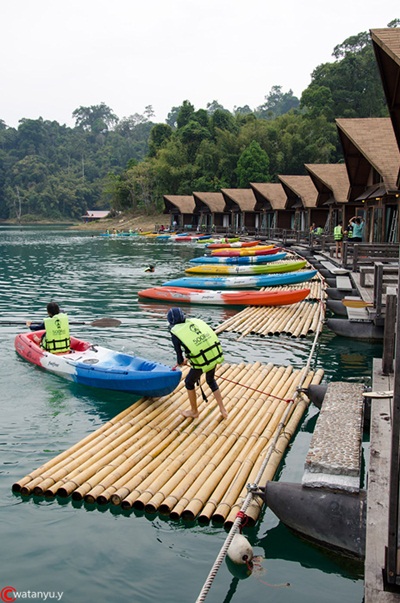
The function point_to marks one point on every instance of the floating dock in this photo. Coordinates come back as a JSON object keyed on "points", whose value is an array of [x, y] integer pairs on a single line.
{"points": [[150, 457], [296, 320]]}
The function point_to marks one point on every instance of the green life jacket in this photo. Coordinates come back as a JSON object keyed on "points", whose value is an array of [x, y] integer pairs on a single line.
{"points": [[338, 233], [205, 350], [56, 338], [319, 230]]}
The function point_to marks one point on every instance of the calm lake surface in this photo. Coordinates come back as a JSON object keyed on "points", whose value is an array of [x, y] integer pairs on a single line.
{"points": [[98, 554]]}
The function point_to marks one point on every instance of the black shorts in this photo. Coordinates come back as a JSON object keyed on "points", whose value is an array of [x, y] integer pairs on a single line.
{"points": [[194, 375]]}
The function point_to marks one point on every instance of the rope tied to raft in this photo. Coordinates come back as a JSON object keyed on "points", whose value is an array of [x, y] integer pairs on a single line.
{"points": [[260, 391], [244, 520], [253, 489]]}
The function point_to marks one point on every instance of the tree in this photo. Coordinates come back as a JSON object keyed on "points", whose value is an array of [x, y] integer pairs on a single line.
{"points": [[223, 120], [172, 117], [277, 103], [192, 135], [245, 110], [160, 134], [353, 81], [185, 114], [96, 118], [317, 100], [214, 106], [253, 166]]}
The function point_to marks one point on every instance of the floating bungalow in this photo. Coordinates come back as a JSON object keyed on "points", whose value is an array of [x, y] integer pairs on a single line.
{"points": [[211, 210], [302, 202], [332, 184], [270, 203], [181, 210], [240, 203], [372, 159]]}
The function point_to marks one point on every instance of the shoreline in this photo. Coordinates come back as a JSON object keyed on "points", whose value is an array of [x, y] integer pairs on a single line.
{"points": [[121, 222]]}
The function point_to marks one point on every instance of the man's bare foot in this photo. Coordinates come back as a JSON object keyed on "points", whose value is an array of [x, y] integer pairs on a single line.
{"points": [[223, 413], [189, 414]]}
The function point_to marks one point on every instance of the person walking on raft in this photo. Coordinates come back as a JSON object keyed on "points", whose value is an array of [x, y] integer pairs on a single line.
{"points": [[203, 352]]}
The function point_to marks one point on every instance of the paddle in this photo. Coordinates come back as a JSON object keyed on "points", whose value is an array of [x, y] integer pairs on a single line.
{"points": [[385, 394], [356, 303], [100, 322]]}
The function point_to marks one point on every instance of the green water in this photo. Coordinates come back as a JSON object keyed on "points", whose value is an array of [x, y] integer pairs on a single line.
{"points": [[103, 554]]}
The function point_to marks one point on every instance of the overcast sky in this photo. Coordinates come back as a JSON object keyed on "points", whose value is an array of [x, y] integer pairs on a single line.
{"points": [[57, 56]]}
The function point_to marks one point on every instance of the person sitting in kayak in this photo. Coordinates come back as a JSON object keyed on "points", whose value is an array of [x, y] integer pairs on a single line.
{"points": [[150, 268], [203, 352], [56, 338]]}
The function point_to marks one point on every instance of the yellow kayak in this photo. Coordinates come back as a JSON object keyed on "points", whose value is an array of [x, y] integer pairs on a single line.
{"points": [[271, 268]]}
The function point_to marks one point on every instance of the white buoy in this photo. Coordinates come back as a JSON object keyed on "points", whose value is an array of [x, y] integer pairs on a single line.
{"points": [[240, 550]]}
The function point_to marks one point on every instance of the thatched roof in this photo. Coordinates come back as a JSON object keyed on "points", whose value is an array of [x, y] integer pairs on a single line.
{"points": [[369, 143], [272, 192], [386, 44], [330, 180], [243, 198], [183, 203], [301, 187], [214, 201]]}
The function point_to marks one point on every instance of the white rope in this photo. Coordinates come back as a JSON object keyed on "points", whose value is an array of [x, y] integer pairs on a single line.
{"points": [[253, 487]]}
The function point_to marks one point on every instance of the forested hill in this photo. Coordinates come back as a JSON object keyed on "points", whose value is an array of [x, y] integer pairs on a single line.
{"points": [[54, 171]]}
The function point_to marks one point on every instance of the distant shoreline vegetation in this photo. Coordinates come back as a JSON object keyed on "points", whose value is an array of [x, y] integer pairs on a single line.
{"points": [[51, 172]]}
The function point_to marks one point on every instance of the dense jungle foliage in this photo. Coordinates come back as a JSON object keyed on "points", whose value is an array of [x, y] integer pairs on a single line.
{"points": [[56, 172]]}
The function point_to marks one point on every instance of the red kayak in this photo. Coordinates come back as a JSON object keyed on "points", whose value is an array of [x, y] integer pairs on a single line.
{"points": [[187, 295], [226, 253], [239, 244]]}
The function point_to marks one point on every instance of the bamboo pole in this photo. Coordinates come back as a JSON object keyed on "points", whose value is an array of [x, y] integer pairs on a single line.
{"points": [[69, 477], [123, 488], [141, 495], [280, 446], [272, 466], [229, 491], [248, 470], [83, 453], [59, 459], [74, 452], [238, 426], [194, 506]]}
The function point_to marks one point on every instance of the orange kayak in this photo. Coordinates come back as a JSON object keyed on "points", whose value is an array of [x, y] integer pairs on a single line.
{"points": [[178, 295]]}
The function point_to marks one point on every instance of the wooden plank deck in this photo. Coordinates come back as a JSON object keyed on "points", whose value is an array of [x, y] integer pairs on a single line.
{"points": [[378, 491]]}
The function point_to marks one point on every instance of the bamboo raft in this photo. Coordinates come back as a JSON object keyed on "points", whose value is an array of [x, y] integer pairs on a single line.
{"points": [[150, 457], [296, 320]]}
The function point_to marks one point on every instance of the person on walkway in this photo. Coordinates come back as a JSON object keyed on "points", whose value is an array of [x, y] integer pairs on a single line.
{"points": [[338, 236], [358, 229], [203, 353], [56, 338]]}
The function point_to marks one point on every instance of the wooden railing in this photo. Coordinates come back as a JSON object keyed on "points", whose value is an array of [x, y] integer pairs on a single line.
{"points": [[357, 254]]}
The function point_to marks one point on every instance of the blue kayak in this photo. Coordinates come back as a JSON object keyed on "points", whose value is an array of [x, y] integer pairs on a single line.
{"points": [[242, 282], [253, 259], [94, 365]]}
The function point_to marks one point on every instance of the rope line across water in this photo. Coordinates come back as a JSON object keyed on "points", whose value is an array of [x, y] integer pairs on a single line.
{"points": [[252, 488]]}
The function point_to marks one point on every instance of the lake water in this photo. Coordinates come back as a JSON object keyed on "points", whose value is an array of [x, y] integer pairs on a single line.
{"points": [[98, 554]]}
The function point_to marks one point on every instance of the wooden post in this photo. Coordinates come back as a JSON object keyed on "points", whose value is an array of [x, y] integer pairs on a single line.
{"points": [[344, 254], [355, 257], [378, 287], [389, 331]]}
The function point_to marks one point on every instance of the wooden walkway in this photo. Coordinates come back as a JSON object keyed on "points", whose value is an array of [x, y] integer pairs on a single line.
{"points": [[378, 491], [149, 457]]}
